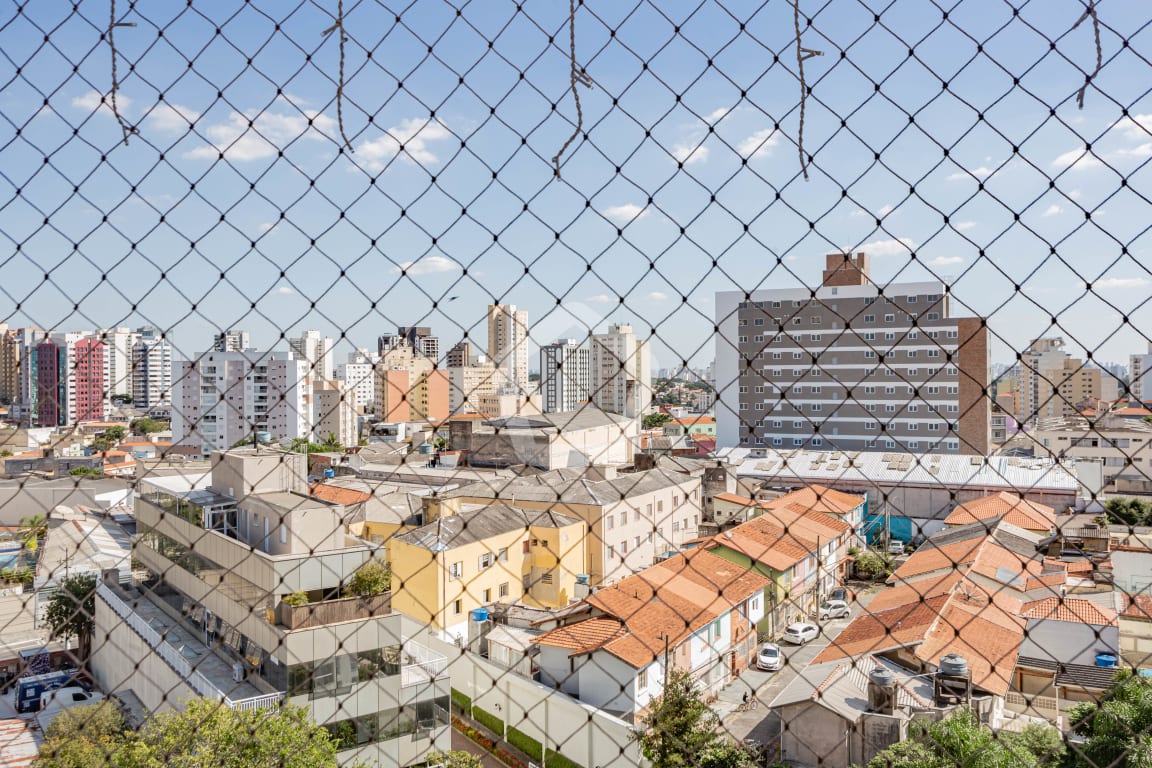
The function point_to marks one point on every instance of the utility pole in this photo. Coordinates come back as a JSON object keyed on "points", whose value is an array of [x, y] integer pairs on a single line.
{"points": [[665, 638]]}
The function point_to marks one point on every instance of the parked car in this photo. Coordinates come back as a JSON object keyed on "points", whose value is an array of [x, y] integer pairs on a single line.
{"points": [[834, 609], [801, 632], [841, 593], [769, 658], [896, 547], [52, 703]]}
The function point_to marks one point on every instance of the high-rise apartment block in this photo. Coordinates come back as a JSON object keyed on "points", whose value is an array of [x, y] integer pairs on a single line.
{"points": [[621, 373], [408, 386], [508, 342], [419, 338], [359, 376], [232, 341], [9, 364], [89, 397], [48, 386], [334, 412], [151, 369], [1050, 383], [1140, 375], [565, 376], [316, 350], [118, 343], [222, 398], [852, 367], [460, 355]]}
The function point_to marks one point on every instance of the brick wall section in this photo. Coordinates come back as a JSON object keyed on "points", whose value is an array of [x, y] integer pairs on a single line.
{"points": [[846, 269], [975, 406]]}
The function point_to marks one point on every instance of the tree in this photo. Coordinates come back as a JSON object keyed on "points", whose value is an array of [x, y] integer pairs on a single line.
{"points": [[960, 740], [71, 611], [907, 754], [32, 530], [83, 736], [115, 434], [1128, 511], [208, 734], [654, 420], [1043, 742], [1116, 731], [372, 578], [455, 759], [147, 426], [679, 728], [85, 472], [725, 755], [870, 565]]}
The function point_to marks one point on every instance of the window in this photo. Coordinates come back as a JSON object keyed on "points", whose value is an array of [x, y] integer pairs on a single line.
{"points": [[817, 319], [524, 550], [759, 406], [869, 318], [458, 607], [797, 355], [758, 321], [777, 424], [870, 336], [486, 560], [660, 506], [743, 339], [502, 555], [933, 315], [933, 353], [777, 441], [546, 577], [611, 551], [817, 441], [797, 425], [797, 441], [869, 390], [816, 406], [675, 526], [890, 408], [869, 354], [890, 336], [911, 353], [912, 299], [642, 680], [795, 321], [913, 408], [743, 389], [610, 522], [635, 542], [798, 389], [816, 337], [455, 571], [487, 595], [869, 425], [776, 356], [913, 426], [934, 426], [504, 589], [624, 547], [815, 390], [758, 339], [889, 318], [889, 390]]}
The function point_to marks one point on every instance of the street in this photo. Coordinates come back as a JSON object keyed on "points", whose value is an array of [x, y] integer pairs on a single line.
{"points": [[757, 723]]}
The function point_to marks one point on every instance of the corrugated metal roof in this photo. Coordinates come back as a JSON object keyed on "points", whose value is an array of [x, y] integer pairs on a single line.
{"points": [[939, 470], [19, 742]]}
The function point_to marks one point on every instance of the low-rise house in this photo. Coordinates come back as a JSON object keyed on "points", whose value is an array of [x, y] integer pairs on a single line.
{"points": [[579, 438], [244, 603], [469, 556], [1029, 515], [694, 612]]}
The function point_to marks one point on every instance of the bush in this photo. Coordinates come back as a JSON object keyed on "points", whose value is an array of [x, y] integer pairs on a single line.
{"points": [[297, 598], [488, 720], [525, 743], [20, 575], [371, 579], [870, 565], [554, 759], [463, 701]]}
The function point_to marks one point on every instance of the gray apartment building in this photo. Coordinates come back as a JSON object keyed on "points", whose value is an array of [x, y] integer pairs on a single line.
{"points": [[851, 366]]}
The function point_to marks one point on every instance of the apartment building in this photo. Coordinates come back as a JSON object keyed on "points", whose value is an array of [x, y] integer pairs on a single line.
{"points": [[620, 371], [232, 341], [633, 519], [222, 552], [222, 398], [1050, 383], [48, 396], [469, 385], [409, 387], [419, 338], [316, 350], [151, 369], [1140, 380], [461, 354], [472, 555], [1123, 447], [565, 376], [852, 367], [359, 375], [508, 342], [118, 359], [334, 412], [89, 392]]}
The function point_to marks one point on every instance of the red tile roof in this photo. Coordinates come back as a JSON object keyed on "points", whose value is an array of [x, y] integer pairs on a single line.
{"points": [[1017, 511], [817, 498], [990, 647], [1071, 609], [877, 631], [338, 495]]}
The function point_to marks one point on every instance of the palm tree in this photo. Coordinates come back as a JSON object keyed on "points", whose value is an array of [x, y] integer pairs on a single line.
{"points": [[32, 530]]}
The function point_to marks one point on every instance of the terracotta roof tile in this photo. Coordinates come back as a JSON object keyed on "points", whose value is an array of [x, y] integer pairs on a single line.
{"points": [[877, 631], [338, 495], [818, 498], [930, 558], [989, 647], [1017, 511], [583, 636], [1069, 609]]}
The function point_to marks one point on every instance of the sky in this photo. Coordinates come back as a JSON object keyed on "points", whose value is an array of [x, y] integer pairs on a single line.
{"points": [[948, 147]]}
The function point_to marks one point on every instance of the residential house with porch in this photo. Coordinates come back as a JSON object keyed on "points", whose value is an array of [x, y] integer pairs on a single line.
{"points": [[695, 612]]}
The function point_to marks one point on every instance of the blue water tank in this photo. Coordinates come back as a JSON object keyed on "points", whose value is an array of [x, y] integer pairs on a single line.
{"points": [[582, 578], [1106, 660], [263, 437], [427, 449], [329, 472], [479, 614]]}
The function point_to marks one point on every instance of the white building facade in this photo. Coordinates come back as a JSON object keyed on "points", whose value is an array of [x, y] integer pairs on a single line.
{"points": [[151, 369], [359, 376], [620, 371], [508, 342], [565, 376]]}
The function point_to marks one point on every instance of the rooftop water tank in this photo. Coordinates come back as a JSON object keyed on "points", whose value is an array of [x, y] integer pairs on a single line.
{"points": [[881, 676], [329, 472], [1106, 660], [427, 449], [263, 437], [954, 664], [582, 578], [479, 614]]}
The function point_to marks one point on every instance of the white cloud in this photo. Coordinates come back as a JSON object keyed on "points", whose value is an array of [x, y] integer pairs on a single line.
{"points": [[284, 290], [944, 261], [625, 213], [428, 265], [1074, 194], [1136, 127], [1140, 150], [94, 100], [964, 226], [1076, 159], [172, 118], [256, 135], [1098, 213], [859, 212], [716, 115], [759, 144], [602, 298], [982, 172], [1122, 282], [413, 134], [657, 296], [885, 210], [1052, 210], [895, 247], [267, 226], [689, 154]]}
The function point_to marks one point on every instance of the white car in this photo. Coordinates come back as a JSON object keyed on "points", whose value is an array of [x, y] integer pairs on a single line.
{"points": [[896, 547], [769, 658], [53, 703], [834, 609], [800, 632]]}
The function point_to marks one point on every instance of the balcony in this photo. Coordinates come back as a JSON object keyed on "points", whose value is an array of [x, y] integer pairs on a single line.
{"points": [[206, 673]]}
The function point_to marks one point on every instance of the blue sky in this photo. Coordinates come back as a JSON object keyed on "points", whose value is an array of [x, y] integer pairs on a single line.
{"points": [[449, 202]]}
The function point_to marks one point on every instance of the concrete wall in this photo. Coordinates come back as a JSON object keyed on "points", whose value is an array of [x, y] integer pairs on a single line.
{"points": [[813, 735], [583, 734], [24, 498], [1132, 571]]}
